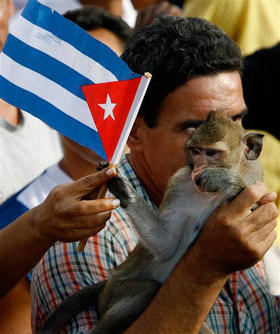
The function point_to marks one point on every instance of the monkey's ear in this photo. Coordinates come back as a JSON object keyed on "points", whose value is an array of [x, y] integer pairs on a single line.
{"points": [[254, 143]]}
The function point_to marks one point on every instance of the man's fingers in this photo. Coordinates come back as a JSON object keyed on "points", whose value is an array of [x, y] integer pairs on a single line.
{"points": [[268, 241], [91, 222], [242, 204], [270, 197], [269, 228], [91, 207], [90, 182], [263, 215], [79, 234]]}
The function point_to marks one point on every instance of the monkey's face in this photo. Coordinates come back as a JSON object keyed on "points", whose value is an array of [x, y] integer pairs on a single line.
{"points": [[220, 142], [201, 158]]}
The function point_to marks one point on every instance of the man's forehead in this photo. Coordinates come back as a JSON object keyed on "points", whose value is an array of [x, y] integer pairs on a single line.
{"points": [[198, 96]]}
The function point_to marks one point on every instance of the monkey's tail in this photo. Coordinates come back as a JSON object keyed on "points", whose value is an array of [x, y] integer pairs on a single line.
{"points": [[80, 301]]}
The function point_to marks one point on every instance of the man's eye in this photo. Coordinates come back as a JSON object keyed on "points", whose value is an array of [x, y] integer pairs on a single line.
{"points": [[195, 151]]}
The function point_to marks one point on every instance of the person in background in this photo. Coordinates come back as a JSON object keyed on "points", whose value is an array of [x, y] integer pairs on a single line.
{"points": [[253, 24], [27, 145]]}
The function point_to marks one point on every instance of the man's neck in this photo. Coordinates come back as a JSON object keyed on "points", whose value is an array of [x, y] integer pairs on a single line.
{"points": [[9, 113], [142, 171]]}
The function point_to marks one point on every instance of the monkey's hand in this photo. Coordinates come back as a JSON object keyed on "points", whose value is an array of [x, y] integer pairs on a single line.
{"points": [[119, 187], [213, 179]]}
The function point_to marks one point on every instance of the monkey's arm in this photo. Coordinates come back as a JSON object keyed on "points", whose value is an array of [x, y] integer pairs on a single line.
{"points": [[144, 219]]}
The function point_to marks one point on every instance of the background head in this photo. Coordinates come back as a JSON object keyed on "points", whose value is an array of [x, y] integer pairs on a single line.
{"points": [[104, 26], [174, 50]]}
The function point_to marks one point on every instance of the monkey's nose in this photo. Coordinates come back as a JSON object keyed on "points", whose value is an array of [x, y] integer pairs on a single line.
{"points": [[198, 181]]}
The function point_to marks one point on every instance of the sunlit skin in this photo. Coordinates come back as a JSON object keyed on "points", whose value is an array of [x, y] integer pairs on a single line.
{"points": [[156, 153]]}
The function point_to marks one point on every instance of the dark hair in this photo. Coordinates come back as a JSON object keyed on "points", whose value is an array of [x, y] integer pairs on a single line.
{"points": [[92, 17], [174, 50]]}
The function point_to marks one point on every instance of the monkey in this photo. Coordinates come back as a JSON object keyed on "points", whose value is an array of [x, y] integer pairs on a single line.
{"points": [[221, 161]]}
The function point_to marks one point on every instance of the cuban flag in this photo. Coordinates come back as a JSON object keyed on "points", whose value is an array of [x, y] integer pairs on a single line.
{"points": [[55, 70]]}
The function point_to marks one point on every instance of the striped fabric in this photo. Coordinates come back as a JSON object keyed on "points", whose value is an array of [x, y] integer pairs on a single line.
{"points": [[243, 306], [44, 63]]}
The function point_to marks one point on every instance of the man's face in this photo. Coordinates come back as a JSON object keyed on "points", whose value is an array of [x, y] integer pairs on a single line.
{"points": [[162, 148]]}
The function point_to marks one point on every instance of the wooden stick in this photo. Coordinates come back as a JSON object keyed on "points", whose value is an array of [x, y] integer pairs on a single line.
{"points": [[101, 194]]}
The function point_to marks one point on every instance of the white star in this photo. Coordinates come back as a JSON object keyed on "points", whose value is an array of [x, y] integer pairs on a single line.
{"points": [[108, 107]]}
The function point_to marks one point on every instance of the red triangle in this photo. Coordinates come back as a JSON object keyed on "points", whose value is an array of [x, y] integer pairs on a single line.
{"points": [[122, 94]]}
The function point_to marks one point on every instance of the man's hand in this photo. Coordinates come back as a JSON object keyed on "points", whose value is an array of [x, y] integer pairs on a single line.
{"points": [[235, 238], [66, 215]]}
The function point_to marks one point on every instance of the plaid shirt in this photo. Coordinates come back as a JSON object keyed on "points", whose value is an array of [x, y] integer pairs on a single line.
{"points": [[243, 306]]}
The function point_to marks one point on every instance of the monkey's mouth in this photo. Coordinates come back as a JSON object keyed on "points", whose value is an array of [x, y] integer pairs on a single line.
{"points": [[197, 181]]}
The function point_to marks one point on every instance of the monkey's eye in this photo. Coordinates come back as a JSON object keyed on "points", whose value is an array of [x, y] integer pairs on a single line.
{"points": [[195, 151], [211, 153]]}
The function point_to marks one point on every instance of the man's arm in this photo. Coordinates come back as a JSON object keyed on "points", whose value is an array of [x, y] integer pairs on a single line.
{"points": [[234, 238], [65, 215]]}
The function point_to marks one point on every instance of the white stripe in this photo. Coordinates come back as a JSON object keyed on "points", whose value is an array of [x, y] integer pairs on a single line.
{"points": [[64, 52], [46, 90], [130, 119], [38, 190]]}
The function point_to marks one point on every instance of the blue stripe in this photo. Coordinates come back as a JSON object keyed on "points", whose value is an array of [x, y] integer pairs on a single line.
{"points": [[68, 31], [51, 115], [45, 65]]}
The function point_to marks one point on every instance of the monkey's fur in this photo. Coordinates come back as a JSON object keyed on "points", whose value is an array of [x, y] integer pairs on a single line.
{"points": [[221, 162]]}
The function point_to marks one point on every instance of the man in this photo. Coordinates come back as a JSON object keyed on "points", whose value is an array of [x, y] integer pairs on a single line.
{"points": [[195, 69], [25, 240]]}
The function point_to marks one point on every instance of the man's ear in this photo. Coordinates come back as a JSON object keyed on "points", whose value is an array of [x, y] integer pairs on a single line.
{"points": [[134, 141], [254, 143]]}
